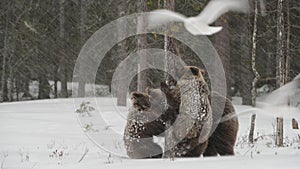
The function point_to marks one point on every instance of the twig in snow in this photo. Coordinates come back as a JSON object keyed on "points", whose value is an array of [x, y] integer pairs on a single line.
{"points": [[252, 146], [34, 165], [5, 155], [268, 135], [109, 159], [84, 154]]}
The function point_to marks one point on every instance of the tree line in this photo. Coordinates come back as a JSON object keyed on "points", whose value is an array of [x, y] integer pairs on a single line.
{"points": [[40, 40]]}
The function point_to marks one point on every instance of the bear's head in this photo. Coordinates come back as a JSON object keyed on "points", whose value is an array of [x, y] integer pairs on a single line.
{"points": [[191, 72], [140, 101], [153, 99]]}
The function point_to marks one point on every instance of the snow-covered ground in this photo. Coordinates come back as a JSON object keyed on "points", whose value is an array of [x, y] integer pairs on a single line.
{"points": [[48, 134]]}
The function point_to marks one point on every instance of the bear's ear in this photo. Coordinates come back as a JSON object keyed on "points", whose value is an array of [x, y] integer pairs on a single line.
{"points": [[195, 71], [135, 95]]}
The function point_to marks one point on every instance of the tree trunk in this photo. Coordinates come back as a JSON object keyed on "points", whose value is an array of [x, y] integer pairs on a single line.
{"points": [[17, 88], [10, 84], [245, 68], [170, 46], [12, 56], [64, 81], [294, 124], [26, 94], [280, 46], [280, 66], [3, 74], [269, 68], [252, 127], [55, 74], [288, 42], [81, 82], [121, 50], [256, 75], [44, 87], [142, 44], [222, 45], [253, 54], [279, 131], [63, 56]]}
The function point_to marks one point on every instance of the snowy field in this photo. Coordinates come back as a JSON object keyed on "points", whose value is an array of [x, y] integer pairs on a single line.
{"points": [[47, 134]]}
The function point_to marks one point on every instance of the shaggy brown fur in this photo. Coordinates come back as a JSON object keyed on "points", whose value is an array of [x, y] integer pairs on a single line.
{"points": [[147, 119], [193, 113], [223, 138], [144, 121]]}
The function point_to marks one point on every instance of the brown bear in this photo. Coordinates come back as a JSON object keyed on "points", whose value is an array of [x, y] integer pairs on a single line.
{"points": [[146, 119], [139, 140], [223, 138], [190, 98], [194, 99]]}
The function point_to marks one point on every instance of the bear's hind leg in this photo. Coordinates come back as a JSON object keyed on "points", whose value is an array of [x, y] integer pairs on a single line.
{"points": [[210, 151], [225, 149]]}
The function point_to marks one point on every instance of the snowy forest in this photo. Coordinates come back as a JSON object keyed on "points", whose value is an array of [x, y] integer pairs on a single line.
{"points": [[41, 95], [41, 41]]}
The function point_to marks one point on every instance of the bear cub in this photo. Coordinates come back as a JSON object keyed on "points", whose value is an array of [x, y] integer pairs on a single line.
{"points": [[145, 120]]}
